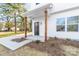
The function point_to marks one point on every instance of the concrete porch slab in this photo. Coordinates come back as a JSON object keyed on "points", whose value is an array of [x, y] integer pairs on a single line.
{"points": [[41, 38], [31, 37], [7, 42]]}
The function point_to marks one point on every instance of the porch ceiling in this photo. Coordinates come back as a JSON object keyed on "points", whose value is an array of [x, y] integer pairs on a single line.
{"points": [[39, 11]]}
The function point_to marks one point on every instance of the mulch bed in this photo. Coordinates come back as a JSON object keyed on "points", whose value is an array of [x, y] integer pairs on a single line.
{"points": [[53, 46], [18, 39]]}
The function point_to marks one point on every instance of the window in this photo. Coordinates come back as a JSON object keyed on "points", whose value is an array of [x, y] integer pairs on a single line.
{"points": [[60, 24], [37, 3], [72, 23]]}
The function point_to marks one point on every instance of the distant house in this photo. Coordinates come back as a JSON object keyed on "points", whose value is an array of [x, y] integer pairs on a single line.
{"points": [[55, 20], [13, 29], [2, 28]]}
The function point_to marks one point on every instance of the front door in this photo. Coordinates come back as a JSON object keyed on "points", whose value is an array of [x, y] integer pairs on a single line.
{"points": [[36, 28]]}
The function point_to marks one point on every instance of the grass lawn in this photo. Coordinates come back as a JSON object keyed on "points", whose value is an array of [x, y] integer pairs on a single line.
{"points": [[5, 34]]}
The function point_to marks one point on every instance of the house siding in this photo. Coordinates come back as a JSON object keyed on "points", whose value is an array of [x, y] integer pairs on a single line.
{"points": [[52, 25]]}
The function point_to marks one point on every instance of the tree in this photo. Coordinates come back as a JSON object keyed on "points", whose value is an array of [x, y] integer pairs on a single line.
{"points": [[5, 10], [13, 10], [1, 26], [30, 24], [9, 25], [18, 11]]}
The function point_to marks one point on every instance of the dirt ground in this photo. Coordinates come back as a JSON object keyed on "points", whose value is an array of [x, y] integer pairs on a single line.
{"points": [[57, 47], [53, 47], [23, 51]]}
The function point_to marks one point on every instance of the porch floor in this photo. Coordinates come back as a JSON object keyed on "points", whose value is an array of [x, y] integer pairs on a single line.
{"points": [[31, 37]]}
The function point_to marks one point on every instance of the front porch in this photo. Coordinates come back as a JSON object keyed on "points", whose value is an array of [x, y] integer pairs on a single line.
{"points": [[8, 43], [40, 11]]}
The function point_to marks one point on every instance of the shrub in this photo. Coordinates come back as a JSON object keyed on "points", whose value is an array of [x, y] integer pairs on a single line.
{"points": [[52, 44], [55, 37], [68, 39], [23, 38], [37, 41], [50, 37]]}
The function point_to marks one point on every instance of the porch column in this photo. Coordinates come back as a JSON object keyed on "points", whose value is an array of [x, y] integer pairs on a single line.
{"points": [[46, 18], [25, 26]]}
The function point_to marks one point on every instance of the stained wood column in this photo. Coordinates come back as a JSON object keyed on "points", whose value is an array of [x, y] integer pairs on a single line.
{"points": [[25, 26], [46, 18]]}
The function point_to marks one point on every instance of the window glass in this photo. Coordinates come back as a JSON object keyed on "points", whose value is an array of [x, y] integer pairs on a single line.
{"points": [[78, 19], [72, 27], [60, 24], [60, 21], [72, 23], [72, 20], [60, 28]]}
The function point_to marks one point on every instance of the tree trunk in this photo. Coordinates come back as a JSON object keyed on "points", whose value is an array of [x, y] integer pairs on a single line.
{"points": [[25, 25], [15, 23], [8, 29], [8, 22]]}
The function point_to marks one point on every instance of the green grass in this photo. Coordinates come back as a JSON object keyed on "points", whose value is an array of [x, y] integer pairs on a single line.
{"points": [[5, 34]]}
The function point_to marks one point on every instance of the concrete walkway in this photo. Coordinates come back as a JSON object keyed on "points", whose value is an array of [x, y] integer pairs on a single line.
{"points": [[7, 42]]}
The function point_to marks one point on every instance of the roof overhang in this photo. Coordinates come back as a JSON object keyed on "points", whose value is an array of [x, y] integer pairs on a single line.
{"points": [[39, 11]]}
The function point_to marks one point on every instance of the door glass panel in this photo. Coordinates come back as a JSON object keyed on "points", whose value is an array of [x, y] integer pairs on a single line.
{"points": [[36, 28]]}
